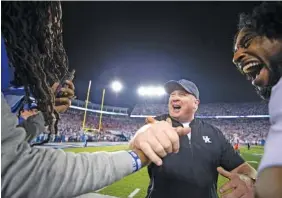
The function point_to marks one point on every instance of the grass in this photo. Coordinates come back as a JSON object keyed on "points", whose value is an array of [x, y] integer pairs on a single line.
{"points": [[140, 180]]}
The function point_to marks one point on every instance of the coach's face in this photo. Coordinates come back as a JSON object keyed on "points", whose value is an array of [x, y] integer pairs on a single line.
{"points": [[256, 55], [182, 105]]}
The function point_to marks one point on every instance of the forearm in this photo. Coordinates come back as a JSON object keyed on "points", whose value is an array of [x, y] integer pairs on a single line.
{"points": [[269, 183], [54, 173], [33, 172]]}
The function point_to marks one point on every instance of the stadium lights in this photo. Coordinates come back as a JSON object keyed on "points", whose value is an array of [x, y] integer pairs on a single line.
{"points": [[116, 86], [151, 91]]}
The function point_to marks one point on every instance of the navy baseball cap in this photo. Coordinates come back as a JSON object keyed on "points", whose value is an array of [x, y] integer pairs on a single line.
{"points": [[187, 85]]}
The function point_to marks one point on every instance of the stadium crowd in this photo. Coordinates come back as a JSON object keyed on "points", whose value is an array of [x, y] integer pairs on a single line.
{"points": [[122, 128], [245, 130], [113, 128], [212, 109]]}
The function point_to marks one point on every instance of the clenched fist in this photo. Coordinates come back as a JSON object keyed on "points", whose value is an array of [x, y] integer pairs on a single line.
{"points": [[63, 102], [157, 138]]}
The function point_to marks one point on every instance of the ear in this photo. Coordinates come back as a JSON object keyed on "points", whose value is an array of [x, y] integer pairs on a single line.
{"points": [[196, 106]]}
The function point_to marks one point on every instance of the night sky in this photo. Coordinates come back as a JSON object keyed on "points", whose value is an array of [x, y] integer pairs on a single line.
{"points": [[143, 43]]}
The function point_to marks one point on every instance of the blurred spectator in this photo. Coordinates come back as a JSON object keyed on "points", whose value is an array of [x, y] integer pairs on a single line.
{"points": [[213, 109], [122, 128]]}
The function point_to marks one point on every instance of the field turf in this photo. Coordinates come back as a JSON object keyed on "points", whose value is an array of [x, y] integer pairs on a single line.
{"points": [[140, 180]]}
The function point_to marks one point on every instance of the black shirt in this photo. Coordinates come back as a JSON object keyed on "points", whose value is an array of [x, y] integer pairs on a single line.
{"points": [[191, 173]]}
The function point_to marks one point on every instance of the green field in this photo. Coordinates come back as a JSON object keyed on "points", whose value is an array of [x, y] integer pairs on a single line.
{"points": [[140, 179]]}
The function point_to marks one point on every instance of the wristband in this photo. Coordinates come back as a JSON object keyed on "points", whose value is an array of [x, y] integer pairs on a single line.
{"points": [[136, 162]]}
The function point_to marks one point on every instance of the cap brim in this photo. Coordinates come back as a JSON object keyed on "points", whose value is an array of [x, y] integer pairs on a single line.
{"points": [[172, 85]]}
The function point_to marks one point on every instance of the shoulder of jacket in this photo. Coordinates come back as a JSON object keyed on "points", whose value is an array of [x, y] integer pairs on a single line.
{"points": [[211, 128]]}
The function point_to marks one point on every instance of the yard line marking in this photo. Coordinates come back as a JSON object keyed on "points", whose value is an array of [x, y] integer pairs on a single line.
{"points": [[254, 162], [257, 154], [96, 195], [100, 189], [134, 193]]}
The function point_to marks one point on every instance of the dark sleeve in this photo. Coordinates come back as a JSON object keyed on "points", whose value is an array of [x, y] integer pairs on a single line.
{"points": [[229, 159], [149, 189]]}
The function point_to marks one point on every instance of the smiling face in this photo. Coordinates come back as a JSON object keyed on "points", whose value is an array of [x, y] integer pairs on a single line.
{"points": [[182, 106], [256, 57]]}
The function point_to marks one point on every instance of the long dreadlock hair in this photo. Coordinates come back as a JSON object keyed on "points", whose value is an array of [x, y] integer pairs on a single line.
{"points": [[33, 36]]}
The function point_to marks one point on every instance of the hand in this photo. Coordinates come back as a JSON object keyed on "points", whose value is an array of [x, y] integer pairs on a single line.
{"points": [[63, 103], [241, 185], [157, 139], [26, 114]]}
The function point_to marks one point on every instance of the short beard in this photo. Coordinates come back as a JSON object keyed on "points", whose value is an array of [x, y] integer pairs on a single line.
{"points": [[264, 92], [275, 75]]}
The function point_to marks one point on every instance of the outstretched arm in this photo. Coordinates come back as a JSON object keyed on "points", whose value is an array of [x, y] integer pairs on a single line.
{"points": [[36, 172]]}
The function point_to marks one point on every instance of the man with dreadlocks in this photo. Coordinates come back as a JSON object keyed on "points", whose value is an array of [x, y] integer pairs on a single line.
{"points": [[258, 56], [33, 37], [48, 52]]}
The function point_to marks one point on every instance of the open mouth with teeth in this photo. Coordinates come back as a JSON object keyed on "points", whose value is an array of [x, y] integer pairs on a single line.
{"points": [[252, 69], [176, 107]]}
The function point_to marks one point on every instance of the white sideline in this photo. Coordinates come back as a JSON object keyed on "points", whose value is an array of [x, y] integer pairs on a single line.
{"points": [[100, 189], [134, 193], [254, 162], [95, 195]]}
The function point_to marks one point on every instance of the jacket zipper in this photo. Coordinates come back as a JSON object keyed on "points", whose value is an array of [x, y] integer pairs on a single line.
{"points": [[190, 145], [152, 187], [190, 142]]}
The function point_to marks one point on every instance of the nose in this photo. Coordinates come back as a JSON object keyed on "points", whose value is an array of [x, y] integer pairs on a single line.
{"points": [[238, 56], [174, 98]]}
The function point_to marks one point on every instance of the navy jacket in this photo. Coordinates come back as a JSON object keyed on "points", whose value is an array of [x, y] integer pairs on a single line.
{"points": [[191, 173]]}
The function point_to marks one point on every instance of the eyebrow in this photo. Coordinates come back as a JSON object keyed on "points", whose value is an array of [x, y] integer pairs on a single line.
{"points": [[244, 39]]}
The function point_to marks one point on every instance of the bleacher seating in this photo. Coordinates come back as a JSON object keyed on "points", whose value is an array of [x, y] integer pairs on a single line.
{"points": [[122, 127]]}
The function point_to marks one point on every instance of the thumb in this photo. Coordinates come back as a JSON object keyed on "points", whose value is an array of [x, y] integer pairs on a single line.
{"points": [[224, 173], [181, 131], [150, 120], [168, 120]]}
